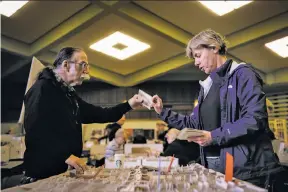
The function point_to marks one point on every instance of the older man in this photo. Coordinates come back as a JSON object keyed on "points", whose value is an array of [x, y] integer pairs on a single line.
{"points": [[54, 115]]}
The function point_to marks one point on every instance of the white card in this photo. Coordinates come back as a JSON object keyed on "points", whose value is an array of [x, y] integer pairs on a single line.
{"points": [[147, 99]]}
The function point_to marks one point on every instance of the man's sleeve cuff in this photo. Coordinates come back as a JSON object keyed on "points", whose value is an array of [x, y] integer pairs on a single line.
{"points": [[127, 106]]}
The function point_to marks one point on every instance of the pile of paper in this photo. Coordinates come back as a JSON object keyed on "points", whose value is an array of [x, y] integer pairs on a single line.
{"points": [[189, 132]]}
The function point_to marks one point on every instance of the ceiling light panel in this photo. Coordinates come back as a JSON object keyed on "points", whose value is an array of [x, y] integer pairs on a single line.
{"points": [[279, 46], [8, 8], [223, 7], [131, 46]]}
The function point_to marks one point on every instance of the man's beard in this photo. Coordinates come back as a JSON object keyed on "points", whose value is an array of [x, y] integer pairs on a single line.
{"points": [[85, 77]]}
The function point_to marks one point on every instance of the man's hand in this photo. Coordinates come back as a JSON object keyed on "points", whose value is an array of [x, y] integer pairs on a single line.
{"points": [[135, 101], [204, 140], [77, 163], [157, 104]]}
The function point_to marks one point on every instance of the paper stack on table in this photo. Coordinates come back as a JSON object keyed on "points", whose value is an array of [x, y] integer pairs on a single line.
{"points": [[193, 177], [147, 102], [189, 132]]}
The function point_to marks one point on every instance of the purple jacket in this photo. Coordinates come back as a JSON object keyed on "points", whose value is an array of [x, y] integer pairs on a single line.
{"points": [[244, 121]]}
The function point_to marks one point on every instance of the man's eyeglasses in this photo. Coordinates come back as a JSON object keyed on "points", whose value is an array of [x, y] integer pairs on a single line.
{"points": [[84, 65]]}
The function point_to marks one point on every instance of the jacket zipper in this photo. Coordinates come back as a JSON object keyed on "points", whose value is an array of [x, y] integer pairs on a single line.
{"points": [[202, 158]]}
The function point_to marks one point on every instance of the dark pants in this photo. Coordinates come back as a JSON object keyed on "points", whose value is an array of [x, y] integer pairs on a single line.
{"points": [[214, 163], [16, 180], [12, 177], [11, 181]]}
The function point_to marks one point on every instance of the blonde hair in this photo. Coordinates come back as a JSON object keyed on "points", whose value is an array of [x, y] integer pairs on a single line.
{"points": [[207, 39]]}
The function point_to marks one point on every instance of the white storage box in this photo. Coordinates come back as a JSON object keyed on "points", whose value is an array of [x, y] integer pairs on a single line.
{"points": [[165, 162]]}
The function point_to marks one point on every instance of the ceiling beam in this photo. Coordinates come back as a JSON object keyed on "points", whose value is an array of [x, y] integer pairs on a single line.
{"points": [[46, 57], [154, 21], [156, 70], [237, 39], [65, 28], [258, 30], [15, 46], [159, 24], [124, 4], [279, 76], [148, 19], [107, 76], [110, 3], [75, 22], [248, 34]]}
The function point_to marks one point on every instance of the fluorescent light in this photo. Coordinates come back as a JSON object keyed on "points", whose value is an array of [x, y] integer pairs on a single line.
{"points": [[8, 8], [223, 7], [279, 46], [105, 46]]}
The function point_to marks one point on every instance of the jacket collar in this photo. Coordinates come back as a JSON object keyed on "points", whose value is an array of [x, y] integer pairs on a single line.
{"points": [[60, 80], [219, 72], [222, 73], [49, 73], [223, 70]]}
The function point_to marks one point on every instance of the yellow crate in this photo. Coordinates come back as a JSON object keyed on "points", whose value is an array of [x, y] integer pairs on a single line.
{"points": [[279, 127]]}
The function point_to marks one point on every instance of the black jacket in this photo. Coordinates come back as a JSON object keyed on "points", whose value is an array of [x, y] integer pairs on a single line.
{"points": [[52, 121], [183, 150]]}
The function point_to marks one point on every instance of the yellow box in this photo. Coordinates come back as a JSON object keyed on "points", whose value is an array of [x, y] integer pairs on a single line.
{"points": [[279, 127]]}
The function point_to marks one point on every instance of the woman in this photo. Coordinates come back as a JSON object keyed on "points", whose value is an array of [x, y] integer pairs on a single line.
{"points": [[116, 146], [231, 113]]}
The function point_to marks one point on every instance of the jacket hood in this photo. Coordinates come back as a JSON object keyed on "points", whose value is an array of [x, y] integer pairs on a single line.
{"points": [[225, 72], [46, 73], [237, 66]]}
